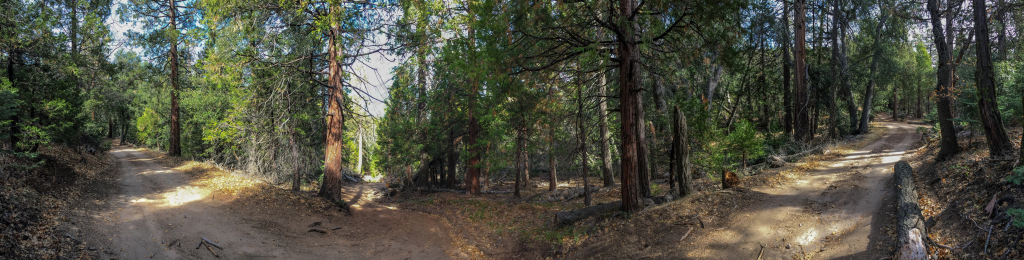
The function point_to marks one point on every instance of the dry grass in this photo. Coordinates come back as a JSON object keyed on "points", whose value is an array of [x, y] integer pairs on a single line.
{"points": [[253, 190]]}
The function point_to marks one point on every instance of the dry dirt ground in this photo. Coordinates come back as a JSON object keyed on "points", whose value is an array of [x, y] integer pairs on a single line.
{"points": [[838, 209], [154, 211]]}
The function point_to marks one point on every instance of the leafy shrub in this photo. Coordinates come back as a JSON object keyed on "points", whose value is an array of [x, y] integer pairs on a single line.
{"points": [[744, 140], [105, 146], [1017, 176]]}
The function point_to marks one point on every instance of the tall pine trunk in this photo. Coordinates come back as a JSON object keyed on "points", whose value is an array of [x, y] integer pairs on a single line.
{"points": [[553, 176], [802, 127], [174, 148], [472, 164], [334, 151], [943, 85], [998, 141], [629, 95], [584, 166], [787, 98], [606, 153]]}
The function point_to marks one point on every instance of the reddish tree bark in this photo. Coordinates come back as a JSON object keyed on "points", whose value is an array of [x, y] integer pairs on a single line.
{"points": [[787, 98], [334, 152], [802, 127], [629, 95]]}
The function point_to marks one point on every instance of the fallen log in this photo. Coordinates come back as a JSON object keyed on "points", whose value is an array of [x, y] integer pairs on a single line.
{"points": [[911, 231], [569, 217]]}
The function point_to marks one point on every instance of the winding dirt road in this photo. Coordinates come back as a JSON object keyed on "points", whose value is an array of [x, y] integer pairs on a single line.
{"points": [[834, 212], [154, 212]]}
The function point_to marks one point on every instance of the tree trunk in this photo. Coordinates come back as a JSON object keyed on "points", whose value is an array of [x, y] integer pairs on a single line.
{"points": [[606, 153], [869, 92], [295, 158], [526, 165], [583, 148], [359, 152], [110, 126], [335, 144], [472, 164], [998, 141], [786, 73], [453, 158], [943, 87], [519, 161], [895, 103], [553, 177], [681, 156], [802, 128], [629, 99], [837, 72], [174, 148], [918, 112]]}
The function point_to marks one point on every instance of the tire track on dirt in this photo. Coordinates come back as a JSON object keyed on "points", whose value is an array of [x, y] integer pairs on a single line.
{"points": [[834, 211], [157, 213]]}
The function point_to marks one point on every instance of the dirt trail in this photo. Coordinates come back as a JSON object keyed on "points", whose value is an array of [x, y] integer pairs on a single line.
{"points": [[156, 213], [834, 212]]}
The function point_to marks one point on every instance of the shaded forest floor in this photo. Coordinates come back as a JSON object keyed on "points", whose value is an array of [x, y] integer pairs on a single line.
{"points": [[35, 204], [955, 194]]}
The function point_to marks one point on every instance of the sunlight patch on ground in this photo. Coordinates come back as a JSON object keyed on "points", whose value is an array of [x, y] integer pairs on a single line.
{"points": [[808, 238], [182, 195], [177, 197]]}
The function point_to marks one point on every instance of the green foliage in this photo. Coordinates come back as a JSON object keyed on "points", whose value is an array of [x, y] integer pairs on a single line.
{"points": [[1017, 176], [8, 107], [744, 140], [1018, 216]]}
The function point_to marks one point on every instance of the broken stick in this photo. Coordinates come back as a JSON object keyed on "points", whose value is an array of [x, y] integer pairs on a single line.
{"points": [[211, 251], [685, 235], [212, 243]]}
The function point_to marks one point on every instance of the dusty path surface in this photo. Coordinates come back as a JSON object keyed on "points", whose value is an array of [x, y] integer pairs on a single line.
{"points": [[156, 213], [834, 212]]}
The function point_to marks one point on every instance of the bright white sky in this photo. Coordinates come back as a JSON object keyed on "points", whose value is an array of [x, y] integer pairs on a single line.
{"points": [[376, 71]]}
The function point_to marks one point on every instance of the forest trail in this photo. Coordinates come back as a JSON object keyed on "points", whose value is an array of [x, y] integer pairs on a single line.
{"points": [[155, 212], [835, 211]]}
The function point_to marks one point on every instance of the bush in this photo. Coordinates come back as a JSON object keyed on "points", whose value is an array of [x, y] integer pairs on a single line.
{"points": [[105, 146]]}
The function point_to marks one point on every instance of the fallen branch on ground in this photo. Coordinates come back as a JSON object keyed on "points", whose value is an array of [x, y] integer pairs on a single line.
{"points": [[211, 251], [685, 235], [569, 217], [212, 243]]}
